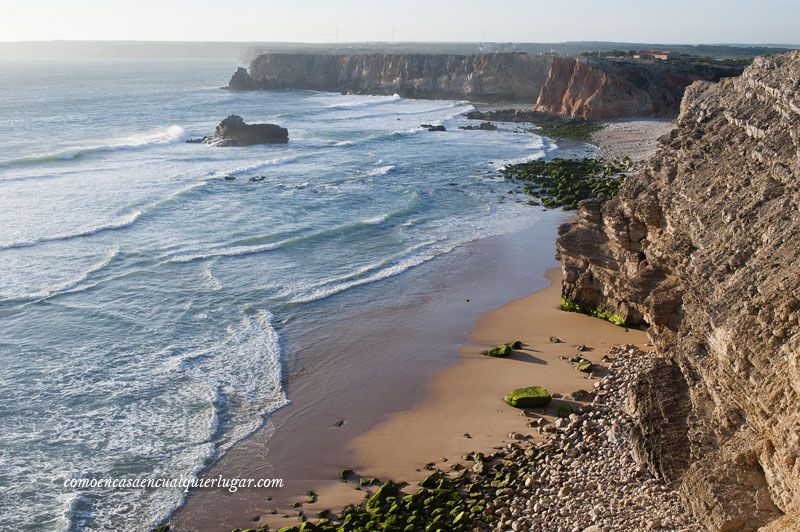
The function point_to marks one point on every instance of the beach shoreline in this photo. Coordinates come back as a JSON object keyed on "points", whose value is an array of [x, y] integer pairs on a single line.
{"points": [[636, 138], [457, 409]]}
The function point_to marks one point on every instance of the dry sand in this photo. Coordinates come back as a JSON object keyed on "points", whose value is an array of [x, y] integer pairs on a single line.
{"points": [[466, 398], [635, 137]]}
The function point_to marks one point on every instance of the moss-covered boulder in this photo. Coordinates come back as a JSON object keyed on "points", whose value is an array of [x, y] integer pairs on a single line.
{"points": [[583, 365], [529, 397], [501, 351]]}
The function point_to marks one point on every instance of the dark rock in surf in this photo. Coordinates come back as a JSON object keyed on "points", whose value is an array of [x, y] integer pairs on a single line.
{"points": [[241, 81], [484, 126], [431, 127], [233, 131]]}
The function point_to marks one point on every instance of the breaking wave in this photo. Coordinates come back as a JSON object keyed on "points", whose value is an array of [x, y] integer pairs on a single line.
{"points": [[167, 135], [369, 102]]}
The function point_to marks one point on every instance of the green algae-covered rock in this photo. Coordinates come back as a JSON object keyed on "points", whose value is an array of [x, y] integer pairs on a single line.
{"points": [[583, 365], [529, 397], [387, 490], [516, 344], [501, 351], [564, 411]]}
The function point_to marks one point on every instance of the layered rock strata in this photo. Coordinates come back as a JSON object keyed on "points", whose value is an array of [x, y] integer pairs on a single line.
{"points": [[703, 247], [568, 86]]}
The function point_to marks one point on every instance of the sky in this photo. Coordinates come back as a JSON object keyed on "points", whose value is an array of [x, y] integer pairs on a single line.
{"points": [[665, 21]]}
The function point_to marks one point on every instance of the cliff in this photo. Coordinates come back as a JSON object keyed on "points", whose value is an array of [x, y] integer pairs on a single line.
{"points": [[588, 88], [606, 89], [486, 77], [703, 247]]}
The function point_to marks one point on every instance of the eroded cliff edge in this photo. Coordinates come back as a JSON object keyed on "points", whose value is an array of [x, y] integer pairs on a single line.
{"points": [[703, 247], [588, 88]]}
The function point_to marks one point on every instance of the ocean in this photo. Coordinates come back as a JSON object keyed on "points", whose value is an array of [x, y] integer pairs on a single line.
{"points": [[146, 281]]}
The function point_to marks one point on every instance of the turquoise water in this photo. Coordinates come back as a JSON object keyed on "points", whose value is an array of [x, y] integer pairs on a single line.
{"points": [[142, 294]]}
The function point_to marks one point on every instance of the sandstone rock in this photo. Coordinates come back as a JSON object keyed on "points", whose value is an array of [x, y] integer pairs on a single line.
{"points": [[702, 247]]}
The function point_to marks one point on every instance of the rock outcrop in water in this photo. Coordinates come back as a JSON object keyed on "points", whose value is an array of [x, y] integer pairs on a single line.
{"points": [[233, 131], [704, 248], [589, 88]]}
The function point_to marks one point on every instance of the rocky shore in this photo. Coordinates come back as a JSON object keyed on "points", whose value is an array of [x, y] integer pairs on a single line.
{"points": [[701, 246], [588, 479], [579, 475]]}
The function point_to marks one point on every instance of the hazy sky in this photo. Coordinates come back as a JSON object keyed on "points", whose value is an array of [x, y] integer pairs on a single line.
{"points": [[667, 21]]}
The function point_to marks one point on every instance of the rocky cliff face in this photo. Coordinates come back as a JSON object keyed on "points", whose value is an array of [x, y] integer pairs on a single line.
{"points": [[704, 248], [607, 89], [486, 77], [566, 86]]}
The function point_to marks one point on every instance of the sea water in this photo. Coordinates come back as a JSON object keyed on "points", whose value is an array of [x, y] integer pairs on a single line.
{"points": [[144, 280]]}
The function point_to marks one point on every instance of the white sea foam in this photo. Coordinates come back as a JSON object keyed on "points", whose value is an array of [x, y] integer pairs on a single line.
{"points": [[208, 278], [119, 223], [228, 252], [75, 284], [167, 135], [332, 288], [366, 101], [381, 170]]}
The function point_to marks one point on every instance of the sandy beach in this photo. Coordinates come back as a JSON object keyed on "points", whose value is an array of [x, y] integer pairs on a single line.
{"points": [[634, 137], [415, 414], [463, 399]]}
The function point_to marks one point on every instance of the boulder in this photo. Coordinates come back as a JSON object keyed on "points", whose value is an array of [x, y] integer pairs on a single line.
{"points": [[484, 126], [233, 131], [531, 396], [431, 127], [501, 351]]}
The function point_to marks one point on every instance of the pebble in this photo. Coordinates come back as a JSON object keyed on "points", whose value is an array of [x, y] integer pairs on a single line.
{"points": [[586, 479]]}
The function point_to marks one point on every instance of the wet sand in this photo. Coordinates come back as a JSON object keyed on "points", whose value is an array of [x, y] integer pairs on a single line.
{"points": [[363, 358], [465, 398]]}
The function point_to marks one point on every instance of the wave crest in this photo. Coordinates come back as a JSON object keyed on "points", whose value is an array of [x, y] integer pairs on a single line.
{"points": [[167, 135], [374, 100]]}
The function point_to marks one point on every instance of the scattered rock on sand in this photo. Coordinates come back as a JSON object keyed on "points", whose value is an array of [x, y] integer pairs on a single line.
{"points": [[528, 397]]}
